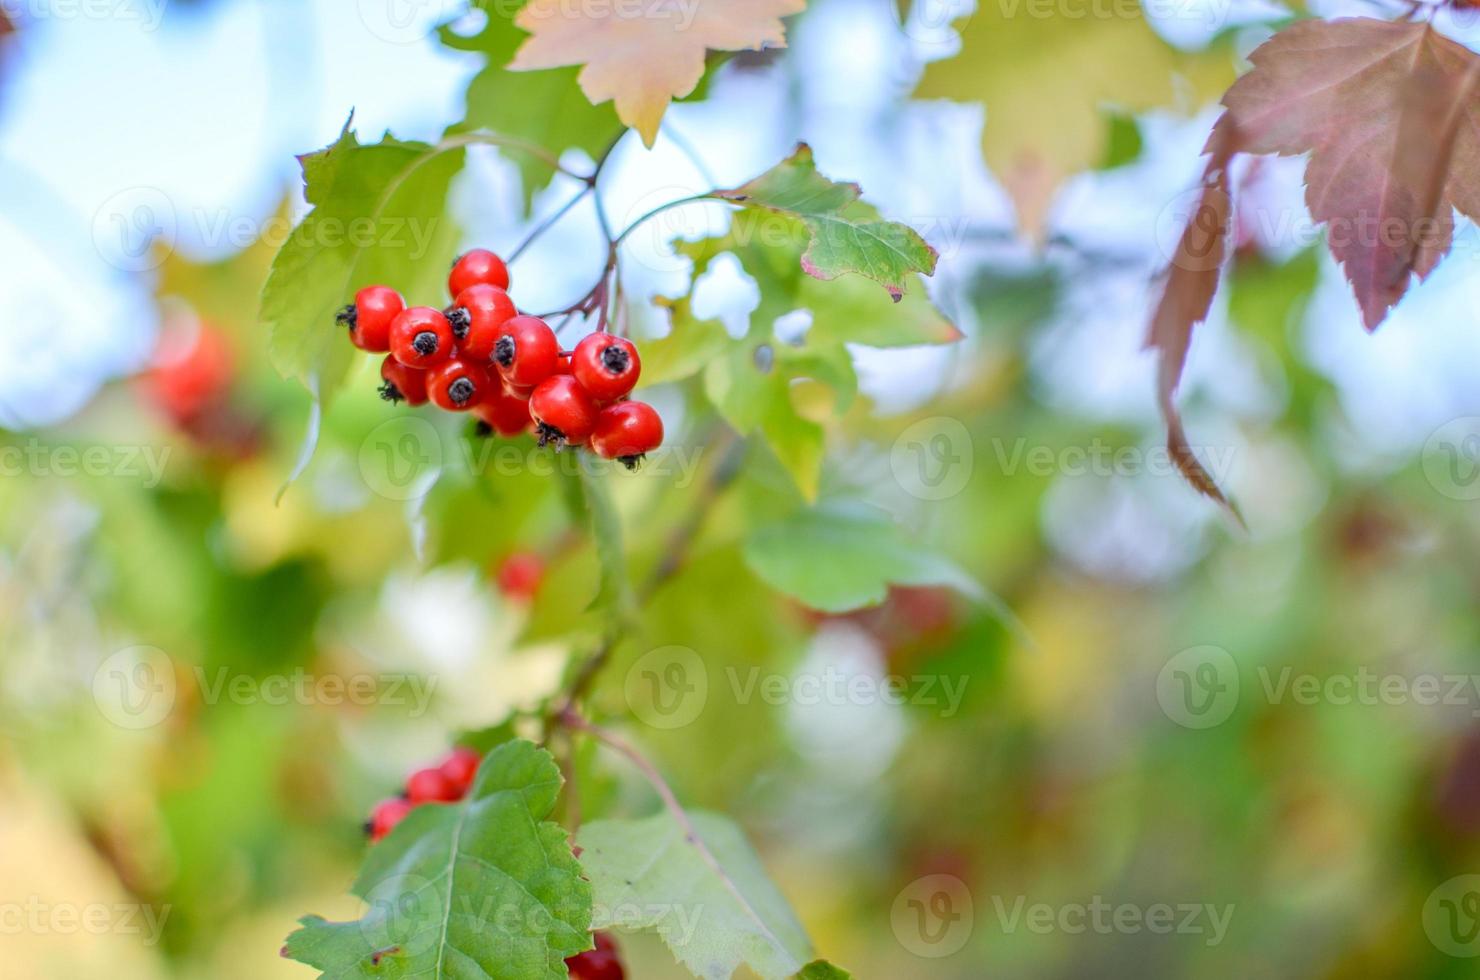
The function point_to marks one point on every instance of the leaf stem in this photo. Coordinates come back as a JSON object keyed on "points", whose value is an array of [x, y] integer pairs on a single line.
{"points": [[550, 222]]}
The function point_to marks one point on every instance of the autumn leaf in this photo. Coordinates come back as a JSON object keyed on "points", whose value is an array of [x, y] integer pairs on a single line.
{"points": [[1046, 82], [642, 56], [1384, 110], [1191, 281]]}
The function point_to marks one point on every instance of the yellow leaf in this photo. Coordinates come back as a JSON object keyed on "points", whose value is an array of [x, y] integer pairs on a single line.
{"points": [[1046, 79], [644, 53]]}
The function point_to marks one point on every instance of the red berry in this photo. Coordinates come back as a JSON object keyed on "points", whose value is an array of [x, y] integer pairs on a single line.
{"points": [[481, 309], [601, 963], [421, 337], [192, 372], [563, 409], [460, 385], [385, 816], [606, 366], [431, 786], [506, 414], [520, 574], [402, 383], [479, 265], [526, 351], [460, 767], [369, 317], [626, 431]]}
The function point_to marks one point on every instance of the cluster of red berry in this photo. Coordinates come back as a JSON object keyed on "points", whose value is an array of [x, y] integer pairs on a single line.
{"points": [[481, 355], [449, 782]]}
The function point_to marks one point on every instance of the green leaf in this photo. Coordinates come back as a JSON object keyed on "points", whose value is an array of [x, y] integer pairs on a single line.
{"points": [[823, 970], [546, 108], [840, 557], [480, 890], [647, 876], [378, 216], [615, 592], [842, 233], [690, 345]]}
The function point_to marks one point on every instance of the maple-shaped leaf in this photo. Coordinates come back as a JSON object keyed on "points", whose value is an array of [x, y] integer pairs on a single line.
{"points": [[642, 56], [1046, 78], [845, 235], [1386, 112], [479, 890]]}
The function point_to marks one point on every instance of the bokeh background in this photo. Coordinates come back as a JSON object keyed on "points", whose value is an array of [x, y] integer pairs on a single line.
{"points": [[1200, 752]]}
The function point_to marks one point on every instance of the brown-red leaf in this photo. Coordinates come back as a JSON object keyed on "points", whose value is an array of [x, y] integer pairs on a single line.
{"points": [[1386, 112]]}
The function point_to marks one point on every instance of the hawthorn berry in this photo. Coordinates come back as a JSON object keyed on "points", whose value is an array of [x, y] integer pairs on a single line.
{"points": [[459, 385], [400, 383], [602, 963], [460, 767], [519, 575], [478, 265], [626, 431], [369, 317], [385, 816], [431, 786], [192, 372], [606, 366], [504, 413], [482, 309], [564, 411], [526, 351], [421, 337]]}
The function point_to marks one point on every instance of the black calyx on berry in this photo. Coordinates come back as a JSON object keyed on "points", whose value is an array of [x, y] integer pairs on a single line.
{"points": [[504, 351], [482, 430], [615, 359], [632, 462], [391, 393], [550, 436], [460, 319], [425, 343], [461, 390], [348, 317]]}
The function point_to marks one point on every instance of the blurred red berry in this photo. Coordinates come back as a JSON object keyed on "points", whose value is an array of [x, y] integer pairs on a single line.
{"points": [[460, 766], [385, 816], [602, 963], [520, 575], [474, 267], [431, 786], [192, 371]]}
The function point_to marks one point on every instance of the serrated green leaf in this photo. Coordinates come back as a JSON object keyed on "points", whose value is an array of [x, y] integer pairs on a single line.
{"points": [[647, 876], [841, 556], [378, 217], [546, 108], [479, 890], [823, 970], [843, 234]]}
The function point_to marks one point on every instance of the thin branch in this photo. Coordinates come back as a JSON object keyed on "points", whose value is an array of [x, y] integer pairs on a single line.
{"points": [[550, 222]]}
